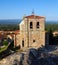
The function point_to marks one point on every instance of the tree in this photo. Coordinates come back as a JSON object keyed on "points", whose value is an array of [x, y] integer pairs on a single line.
{"points": [[50, 36]]}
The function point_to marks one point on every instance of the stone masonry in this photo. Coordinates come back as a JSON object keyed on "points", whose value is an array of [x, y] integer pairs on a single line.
{"points": [[31, 37]]}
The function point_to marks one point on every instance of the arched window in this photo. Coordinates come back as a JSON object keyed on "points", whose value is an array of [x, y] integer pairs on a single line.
{"points": [[37, 25], [31, 25]]}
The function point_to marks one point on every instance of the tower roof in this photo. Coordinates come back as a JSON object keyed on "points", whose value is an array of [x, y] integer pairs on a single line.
{"points": [[34, 16]]}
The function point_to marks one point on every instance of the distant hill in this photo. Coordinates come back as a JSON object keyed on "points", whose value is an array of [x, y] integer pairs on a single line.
{"points": [[10, 21], [53, 25], [51, 22], [17, 21]]}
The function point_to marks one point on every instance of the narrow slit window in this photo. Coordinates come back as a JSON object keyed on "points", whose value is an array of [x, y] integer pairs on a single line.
{"points": [[37, 25], [31, 25]]}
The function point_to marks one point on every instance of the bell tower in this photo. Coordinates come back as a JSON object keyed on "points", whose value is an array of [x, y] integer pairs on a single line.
{"points": [[32, 31]]}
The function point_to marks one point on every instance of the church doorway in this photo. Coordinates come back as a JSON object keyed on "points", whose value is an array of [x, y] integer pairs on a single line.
{"points": [[22, 43]]}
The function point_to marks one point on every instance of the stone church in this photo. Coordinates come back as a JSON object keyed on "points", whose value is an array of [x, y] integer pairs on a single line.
{"points": [[32, 32]]}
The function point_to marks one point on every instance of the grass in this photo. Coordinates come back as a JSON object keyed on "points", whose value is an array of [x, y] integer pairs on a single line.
{"points": [[3, 49]]}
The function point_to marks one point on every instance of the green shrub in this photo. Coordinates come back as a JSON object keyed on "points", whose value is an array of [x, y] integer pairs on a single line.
{"points": [[5, 42]]}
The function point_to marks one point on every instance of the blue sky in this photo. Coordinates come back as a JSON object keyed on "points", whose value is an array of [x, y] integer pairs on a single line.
{"points": [[16, 9]]}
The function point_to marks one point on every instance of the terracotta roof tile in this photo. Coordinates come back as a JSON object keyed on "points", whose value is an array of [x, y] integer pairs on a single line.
{"points": [[34, 16], [17, 31], [10, 32]]}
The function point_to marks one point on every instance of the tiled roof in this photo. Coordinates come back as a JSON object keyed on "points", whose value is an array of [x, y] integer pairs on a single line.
{"points": [[34, 16], [10, 32], [1, 36], [17, 31], [56, 32]]}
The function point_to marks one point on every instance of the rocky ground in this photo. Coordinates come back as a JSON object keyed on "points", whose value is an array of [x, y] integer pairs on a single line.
{"points": [[41, 56], [11, 59]]}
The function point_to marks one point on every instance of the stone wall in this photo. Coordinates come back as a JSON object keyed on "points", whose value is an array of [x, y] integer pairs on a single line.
{"points": [[29, 35]]}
